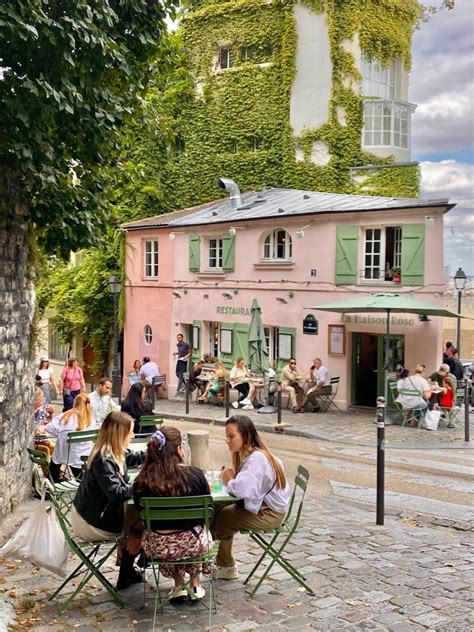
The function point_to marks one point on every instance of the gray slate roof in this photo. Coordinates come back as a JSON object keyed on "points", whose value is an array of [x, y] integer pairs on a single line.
{"points": [[285, 203]]}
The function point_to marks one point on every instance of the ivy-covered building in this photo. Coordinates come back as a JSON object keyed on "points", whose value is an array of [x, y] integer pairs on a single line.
{"points": [[293, 94]]}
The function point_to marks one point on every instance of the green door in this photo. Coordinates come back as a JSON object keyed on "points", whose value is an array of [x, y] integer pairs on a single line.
{"points": [[368, 366]]}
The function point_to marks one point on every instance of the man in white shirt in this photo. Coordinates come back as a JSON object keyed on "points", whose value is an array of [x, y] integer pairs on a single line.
{"points": [[321, 379], [101, 402], [150, 372]]}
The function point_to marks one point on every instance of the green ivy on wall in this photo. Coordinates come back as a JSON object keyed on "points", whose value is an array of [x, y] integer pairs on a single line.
{"points": [[238, 122]]}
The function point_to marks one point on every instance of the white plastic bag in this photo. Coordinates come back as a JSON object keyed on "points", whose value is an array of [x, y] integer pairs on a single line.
{"points": [[431, 419], [40, 541]]}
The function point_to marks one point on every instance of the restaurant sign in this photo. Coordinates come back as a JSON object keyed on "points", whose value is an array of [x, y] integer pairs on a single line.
{"points": [[377, 320], [235, 311]]}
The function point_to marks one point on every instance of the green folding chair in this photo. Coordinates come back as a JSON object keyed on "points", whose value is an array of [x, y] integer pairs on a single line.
{"points": [[327, 399], [181, 508], [284, 533], [450, 415], [412, 414], [90, 556], [64, 491], [151, 421], [394, 390], [80, 436]]}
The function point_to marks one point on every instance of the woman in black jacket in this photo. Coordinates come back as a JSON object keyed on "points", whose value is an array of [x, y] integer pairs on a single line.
{"points": [[98, 507], [136, 405]]}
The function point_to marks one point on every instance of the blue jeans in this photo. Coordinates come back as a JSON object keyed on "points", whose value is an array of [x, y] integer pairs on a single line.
{"points": [[181, 367], [68, 400]]}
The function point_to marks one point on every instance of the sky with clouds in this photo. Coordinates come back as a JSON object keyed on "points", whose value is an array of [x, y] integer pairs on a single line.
{"points": [[442, 86]]}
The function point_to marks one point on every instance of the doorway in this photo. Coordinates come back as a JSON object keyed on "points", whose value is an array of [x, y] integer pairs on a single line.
{"points": [[367, 366]]}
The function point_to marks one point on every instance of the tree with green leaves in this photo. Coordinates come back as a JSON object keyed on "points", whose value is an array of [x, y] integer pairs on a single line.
{"points": [[72, 72]]}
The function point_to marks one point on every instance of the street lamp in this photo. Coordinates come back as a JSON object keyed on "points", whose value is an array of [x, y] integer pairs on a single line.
{"points": [[115, 286], [459, 284]]}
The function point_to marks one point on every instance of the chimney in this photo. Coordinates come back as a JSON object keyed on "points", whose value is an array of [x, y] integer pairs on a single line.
{"points": [[234, 192]]}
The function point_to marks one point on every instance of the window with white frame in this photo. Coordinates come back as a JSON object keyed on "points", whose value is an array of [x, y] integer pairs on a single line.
{"points": [[278, 245], [248, 52], [387, 124], [379, 81], [151, 258], [215, 254], [382, 252], [56, 349], [271, 338], [148, 333], [225, 57]]}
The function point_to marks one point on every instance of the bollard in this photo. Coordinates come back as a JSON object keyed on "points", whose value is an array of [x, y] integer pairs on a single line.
{"points": [[279, 403], [467, 382], [380, 459], [227, 397], [186, 384], [153, 392], [199, 446]]}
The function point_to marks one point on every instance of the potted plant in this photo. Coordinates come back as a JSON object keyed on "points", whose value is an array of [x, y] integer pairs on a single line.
{"points": [[397, 275]]}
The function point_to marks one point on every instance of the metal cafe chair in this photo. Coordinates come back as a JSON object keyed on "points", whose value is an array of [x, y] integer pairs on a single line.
{"points": [[64, 491], [274, 541], [181, 508], [91, 555], [81, 436], [151, 421], [327, 399], [416, 413], [393, 388]]}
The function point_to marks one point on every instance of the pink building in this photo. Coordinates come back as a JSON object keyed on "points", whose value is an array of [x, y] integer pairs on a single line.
{"points": [[197, 271]]}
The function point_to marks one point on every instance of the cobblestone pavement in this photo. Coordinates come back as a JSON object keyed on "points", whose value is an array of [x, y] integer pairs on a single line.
{"points": [[402, 577], [353, 426]]}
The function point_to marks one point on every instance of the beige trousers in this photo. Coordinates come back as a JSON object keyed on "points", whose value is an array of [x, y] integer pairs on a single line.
{"points": [[231, 518]]}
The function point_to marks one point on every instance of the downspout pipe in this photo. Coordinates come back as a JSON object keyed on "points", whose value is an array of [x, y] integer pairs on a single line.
{"points": [[234, 192]]}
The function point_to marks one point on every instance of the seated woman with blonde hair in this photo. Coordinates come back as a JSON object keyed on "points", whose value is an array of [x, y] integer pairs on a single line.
{"points": [[76, 419], [214, 386], [98, 511]]}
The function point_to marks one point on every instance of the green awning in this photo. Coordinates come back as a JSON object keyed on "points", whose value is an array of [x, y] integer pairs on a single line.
{"points": [[386, 303]]}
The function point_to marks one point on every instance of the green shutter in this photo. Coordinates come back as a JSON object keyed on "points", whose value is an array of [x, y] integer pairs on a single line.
{"points": [[347, 238], [228, 253], [194, 252], [413, 254], [240, 342], [196, 352]]}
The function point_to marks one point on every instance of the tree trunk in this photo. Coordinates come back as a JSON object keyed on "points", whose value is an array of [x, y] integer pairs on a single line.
{"points": [[17, 306]]}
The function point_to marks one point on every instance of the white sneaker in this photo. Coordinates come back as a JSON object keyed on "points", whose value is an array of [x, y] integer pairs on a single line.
{"points": [[245, 401], [235, 404], [198, 593], [227, 572], [248, 407], [177, 593]]}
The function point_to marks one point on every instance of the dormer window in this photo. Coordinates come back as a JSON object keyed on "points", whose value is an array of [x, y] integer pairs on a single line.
{"points": [[278, 246]]}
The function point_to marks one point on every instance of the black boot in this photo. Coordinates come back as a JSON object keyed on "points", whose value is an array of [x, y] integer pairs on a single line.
{"points": [[127, 574]]}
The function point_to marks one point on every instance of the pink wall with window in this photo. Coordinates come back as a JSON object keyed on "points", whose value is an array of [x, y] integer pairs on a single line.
{"points": [[212, 296]]}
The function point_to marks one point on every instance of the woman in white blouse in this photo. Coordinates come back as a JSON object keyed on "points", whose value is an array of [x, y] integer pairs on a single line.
{"points": [[258, 479], [78, 418]]}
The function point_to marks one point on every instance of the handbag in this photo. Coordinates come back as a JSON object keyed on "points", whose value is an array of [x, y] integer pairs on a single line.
{"points": [[40, 541], [431, 420], [66, 391]]}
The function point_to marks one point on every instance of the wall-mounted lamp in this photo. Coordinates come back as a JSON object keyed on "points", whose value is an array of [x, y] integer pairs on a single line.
{"points": [[300, 231], [176, 295], [235, 291], [429, 221], [172, 236], [233, 229], [227, 296], [290, 294], [424, 318], [281, 300]]}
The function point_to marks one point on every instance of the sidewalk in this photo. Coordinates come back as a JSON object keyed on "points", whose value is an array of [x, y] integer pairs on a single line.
{"points": [[354, 427], [404, 577]]}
